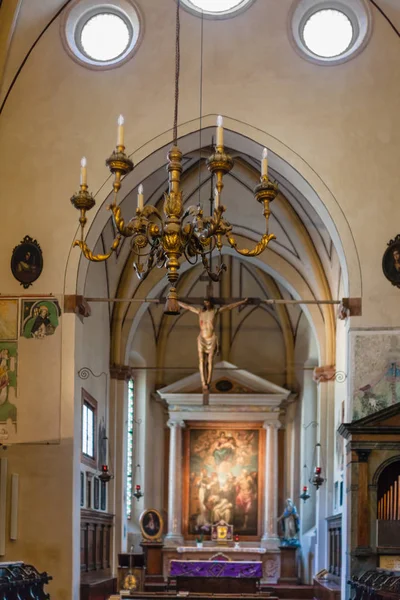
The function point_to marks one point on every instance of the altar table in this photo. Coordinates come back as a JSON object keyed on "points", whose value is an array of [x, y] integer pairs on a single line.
{"points": [[216, 576]]}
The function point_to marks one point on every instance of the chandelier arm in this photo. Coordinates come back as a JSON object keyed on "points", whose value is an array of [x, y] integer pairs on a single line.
{"points": [[119, 222], [258, 248], [142, 271], [213, 276], [87, 253]]}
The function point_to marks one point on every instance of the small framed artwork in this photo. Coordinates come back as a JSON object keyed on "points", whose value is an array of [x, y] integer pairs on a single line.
{"points": [[27, 261], [151, 524], [391, 261]]}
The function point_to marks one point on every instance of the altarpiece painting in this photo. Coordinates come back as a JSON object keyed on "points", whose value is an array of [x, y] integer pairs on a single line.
{"points": [[223, 477]]}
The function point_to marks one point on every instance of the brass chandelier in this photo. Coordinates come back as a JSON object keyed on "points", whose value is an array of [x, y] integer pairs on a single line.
{"points": [[182, 232]]}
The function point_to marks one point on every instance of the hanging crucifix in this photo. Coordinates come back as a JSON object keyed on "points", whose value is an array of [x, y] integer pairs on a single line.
{"points": [[207, 341]]}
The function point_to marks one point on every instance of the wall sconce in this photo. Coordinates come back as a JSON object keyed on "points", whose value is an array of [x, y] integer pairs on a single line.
{"points": [[138, 492]]}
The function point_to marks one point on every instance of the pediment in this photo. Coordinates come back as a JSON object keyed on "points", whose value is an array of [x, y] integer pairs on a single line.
{"points": [[227, 379], [231, 389], [385, 421]]}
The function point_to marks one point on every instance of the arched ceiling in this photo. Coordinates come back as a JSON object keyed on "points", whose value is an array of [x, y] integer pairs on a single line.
{"points": [[302, 263]]}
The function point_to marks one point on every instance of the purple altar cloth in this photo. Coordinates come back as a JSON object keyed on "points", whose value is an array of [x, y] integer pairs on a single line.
{"points": [[210, 568]]}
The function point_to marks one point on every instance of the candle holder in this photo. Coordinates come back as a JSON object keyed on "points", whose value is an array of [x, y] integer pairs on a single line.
{"points": [[105, 475], [138, 493], [305, 495]]}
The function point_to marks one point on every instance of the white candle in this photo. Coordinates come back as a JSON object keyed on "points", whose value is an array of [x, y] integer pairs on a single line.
{"points": [[140, 197], [220, 131], [120, 139], [83, 171], [264, 163], [216, 198]]}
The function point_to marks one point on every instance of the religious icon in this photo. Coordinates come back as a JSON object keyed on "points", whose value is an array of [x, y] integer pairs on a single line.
{"points": [[8, 381], [223, 482], [39, 318], [27, 261], [391, 261], [207, 341], [151, 524], [290, 522], [8, 319]]}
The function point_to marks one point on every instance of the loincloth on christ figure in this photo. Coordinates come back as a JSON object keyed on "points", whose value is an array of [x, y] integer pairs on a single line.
{"points": [[207, 345]]}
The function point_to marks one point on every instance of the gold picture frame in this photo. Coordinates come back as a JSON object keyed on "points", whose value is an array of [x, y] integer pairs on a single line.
{"points": [[151, 525], [192, 472]]}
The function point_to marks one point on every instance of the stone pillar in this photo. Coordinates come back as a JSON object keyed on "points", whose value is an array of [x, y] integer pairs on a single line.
{"points": [[174, 536], [270, 533]]}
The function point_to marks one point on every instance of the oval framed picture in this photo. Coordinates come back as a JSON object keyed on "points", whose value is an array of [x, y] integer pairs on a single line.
{"points": [[27, 261], [151, 524], [391, 261]]}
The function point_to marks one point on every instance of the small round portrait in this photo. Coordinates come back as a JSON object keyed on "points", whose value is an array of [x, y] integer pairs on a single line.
{"points": [[27, 261], [151, 524], [391, 262]]}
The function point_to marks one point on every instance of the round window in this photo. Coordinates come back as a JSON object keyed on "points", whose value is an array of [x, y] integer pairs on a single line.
{"points": [[330, 31], [216, 8], [104, 37], [101, 36]]}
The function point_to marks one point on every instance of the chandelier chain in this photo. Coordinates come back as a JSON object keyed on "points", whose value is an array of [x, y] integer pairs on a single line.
{"points": [[177, 70]]}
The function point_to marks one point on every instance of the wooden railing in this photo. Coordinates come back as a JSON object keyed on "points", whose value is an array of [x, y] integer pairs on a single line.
{"points": [[335, 544]]}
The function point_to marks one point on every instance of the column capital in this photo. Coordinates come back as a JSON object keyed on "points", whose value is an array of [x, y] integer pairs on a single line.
{"points": [[272, 424], [363, 455], [176, 423], [324, 374]]}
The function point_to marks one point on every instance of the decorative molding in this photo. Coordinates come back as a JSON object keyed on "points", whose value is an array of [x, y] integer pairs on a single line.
{"points": [[121, 372], [74, 303], [349, 307], [363, 455], [324, 374]]}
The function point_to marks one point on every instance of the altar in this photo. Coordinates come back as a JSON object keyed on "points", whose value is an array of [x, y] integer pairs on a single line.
{"points": [[223, 466], [265, 561], [216, 576]]}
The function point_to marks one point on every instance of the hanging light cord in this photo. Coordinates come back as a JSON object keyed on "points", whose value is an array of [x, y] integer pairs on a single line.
{"points": [[201, 100], [177, 71]]}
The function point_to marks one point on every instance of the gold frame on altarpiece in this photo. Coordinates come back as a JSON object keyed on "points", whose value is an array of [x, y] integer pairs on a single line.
{"points": [[222, 425]]}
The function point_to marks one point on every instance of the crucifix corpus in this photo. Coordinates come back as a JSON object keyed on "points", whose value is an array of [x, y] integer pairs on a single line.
{"points": [[207, 341]]}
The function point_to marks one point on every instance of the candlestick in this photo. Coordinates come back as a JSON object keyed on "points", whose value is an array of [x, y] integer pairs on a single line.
{"points": [[140, 197], [83, 171], [264, 163], [120, 138], [220, 131]]}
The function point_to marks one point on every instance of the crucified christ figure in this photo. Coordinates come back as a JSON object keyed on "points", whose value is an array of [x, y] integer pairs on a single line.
{"points": [[207, 341]]}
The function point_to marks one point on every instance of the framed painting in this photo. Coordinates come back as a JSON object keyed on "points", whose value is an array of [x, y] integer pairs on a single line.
{"points": [[27, 261], [151, 524], [223, 477], [391, 261]]}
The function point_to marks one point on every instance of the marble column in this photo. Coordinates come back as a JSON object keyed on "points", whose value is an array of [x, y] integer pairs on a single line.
{"points": [[270, 533], [174, 536]]}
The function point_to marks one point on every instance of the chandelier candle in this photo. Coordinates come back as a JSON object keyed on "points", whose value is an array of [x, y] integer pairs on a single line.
{"points": [[120, 138], [264, 163], [140, 198], [83, 171], [216, 199], [220, 132]]}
